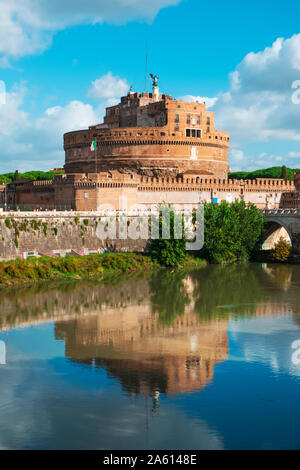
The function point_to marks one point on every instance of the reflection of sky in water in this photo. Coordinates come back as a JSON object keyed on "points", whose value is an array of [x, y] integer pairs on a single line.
{"points": [[267, 340], [54, 403], [48, 401], [92, 380]]}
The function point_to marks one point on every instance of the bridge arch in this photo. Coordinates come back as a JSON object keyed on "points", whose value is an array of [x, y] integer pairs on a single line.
{"points": [[274, 230]]}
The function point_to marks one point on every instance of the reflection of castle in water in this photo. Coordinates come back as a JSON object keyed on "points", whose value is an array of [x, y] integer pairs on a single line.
{"points": [[163, 334], [133, 346]]}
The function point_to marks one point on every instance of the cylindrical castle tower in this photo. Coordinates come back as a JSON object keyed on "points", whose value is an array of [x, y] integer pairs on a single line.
{"points": [[151, 134]]}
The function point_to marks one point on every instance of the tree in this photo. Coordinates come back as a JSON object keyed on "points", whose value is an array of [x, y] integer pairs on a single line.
{"points": [[16, 175], [231, 231], [170, 251], [284, 172], [282, 250]]}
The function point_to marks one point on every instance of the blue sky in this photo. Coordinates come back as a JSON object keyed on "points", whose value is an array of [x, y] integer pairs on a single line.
{"points": [[63, 61]]}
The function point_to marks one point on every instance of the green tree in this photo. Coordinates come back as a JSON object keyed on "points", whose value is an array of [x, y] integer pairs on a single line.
{"points": [[231, 231], [282, 250], [170, 251], [273, 172], [284, 172], [16, 176]]}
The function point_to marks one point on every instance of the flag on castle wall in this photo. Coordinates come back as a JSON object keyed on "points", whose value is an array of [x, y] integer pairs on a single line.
{"points": [[93, 146]]}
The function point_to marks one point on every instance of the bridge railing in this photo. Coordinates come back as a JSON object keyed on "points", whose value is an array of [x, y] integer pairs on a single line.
{"points": [[281, 211]]}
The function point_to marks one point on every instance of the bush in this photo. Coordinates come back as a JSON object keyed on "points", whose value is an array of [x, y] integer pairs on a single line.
{"points": [[231, 231], [282, 250], [168, 252]]}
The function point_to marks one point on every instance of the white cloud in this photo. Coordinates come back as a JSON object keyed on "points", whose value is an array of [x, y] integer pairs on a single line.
{"points": [[27, 26], [200, 99], [258, 106], [108, 87], [28, 143], [243, 161]]}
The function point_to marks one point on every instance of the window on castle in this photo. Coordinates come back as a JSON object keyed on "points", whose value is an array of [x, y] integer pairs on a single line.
{"points": [[176, 127], [198, 120], [193, 133], [86, 195], [177, 118], [178, 106], [208, 129], [208, 121], [188, 119]]}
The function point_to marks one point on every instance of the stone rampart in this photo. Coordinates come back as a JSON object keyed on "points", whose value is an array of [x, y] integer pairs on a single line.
{"points": [[25, 234]]}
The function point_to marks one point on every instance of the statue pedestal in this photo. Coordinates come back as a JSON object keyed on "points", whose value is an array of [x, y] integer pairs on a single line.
{"points": [[155, 93]]}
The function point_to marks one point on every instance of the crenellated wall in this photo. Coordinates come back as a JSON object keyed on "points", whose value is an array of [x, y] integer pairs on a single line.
{"points": [[92, 191], [150, 150]]}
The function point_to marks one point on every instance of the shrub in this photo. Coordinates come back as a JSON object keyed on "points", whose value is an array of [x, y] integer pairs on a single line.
{"points": [[168, 252], [282, 250], [231, 231], [8, 223]]}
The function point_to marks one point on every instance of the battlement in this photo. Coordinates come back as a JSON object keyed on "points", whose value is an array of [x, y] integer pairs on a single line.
{"points": [[142, 135], [261, 184]]}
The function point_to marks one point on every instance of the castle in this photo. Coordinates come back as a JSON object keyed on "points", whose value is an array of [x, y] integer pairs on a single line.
{"points": [[150, 149]]}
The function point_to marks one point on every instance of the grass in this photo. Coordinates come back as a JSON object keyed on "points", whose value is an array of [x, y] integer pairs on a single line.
{"points": [[90, 267], [94, 267]]}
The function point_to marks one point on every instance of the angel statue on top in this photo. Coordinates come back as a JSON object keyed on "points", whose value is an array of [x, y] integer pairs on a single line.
{"points": [[154, 80]]}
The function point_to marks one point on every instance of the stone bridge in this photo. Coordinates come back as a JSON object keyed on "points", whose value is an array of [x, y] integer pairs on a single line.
{"points": [[282, 222]]}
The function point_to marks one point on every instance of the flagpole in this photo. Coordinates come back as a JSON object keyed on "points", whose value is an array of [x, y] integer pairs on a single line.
{"points": [[146, 65], [96, 158]]}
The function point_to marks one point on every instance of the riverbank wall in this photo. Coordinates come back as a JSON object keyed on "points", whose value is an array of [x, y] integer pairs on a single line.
{"points": [[27, 234]]}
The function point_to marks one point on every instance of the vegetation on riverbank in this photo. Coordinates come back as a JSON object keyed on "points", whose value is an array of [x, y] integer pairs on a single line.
{"points": [[72, 267], [92, 267], [231, 231]]}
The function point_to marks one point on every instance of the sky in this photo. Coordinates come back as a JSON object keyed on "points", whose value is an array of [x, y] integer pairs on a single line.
{"points": [[62, 62]]}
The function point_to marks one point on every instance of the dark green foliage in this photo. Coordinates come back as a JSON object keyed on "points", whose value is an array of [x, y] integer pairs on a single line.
{"points": [[72, 267], [231, 231], [273, 172], [16, 176], [32, 175], [282, 250], [284, 172], [168, 252], [8, 223]]}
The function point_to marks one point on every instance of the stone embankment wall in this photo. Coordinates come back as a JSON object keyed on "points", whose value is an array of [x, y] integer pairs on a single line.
{"points": [[24, 234]]}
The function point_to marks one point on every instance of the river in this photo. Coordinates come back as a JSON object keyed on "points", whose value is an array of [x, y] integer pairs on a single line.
{"points": [[201, 360]]}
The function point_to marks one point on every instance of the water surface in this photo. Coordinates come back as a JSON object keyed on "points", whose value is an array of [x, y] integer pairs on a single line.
{"points": [[201, 360]]}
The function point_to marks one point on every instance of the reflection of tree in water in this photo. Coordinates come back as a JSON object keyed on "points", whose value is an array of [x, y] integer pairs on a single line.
{"points": [[223, 290], [168, 296], [282, 275]]}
